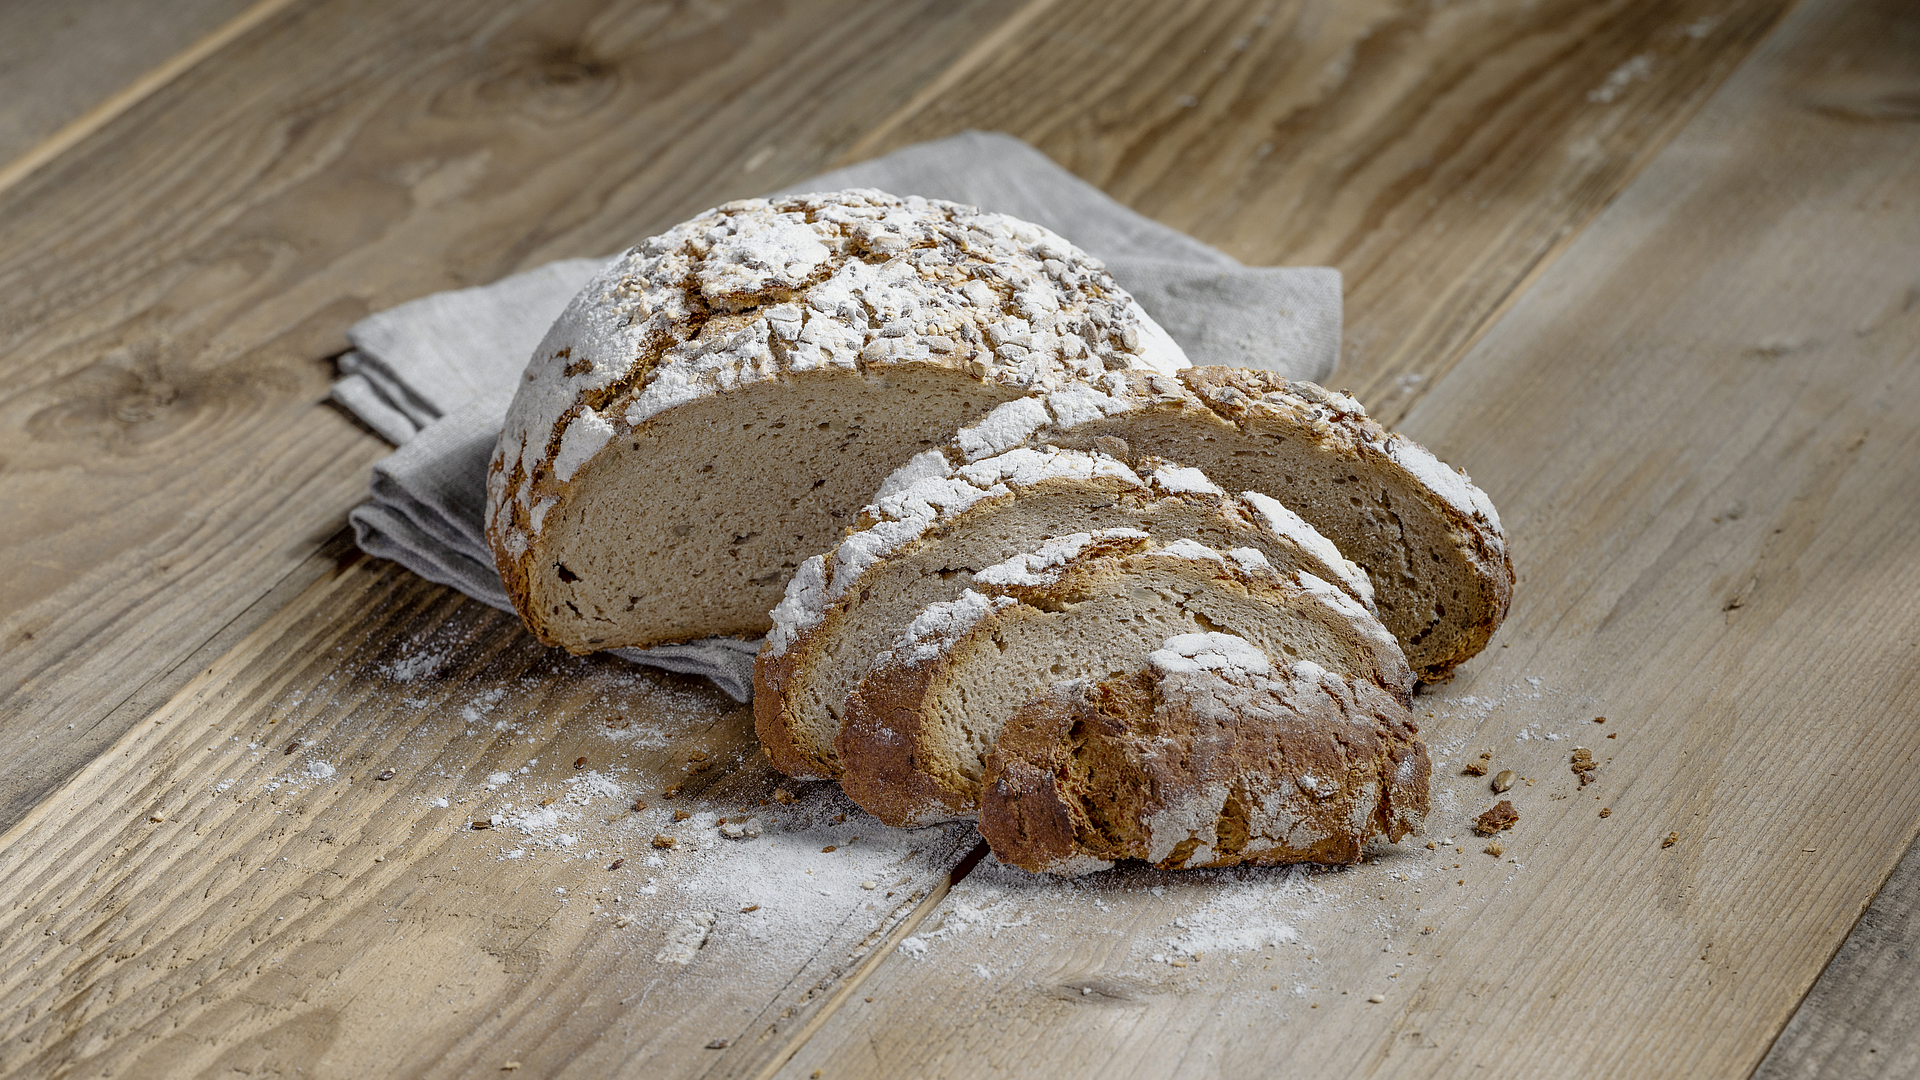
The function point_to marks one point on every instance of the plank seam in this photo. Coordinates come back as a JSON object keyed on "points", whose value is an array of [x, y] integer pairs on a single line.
{"points": [[988, 45], [78, 129], [879, 956]]}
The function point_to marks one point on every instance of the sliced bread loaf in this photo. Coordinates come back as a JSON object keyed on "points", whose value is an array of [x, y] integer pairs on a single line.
{"points": [[935, 526], [1427, 537], [924, 718], [720, 402], [1208, 755]]}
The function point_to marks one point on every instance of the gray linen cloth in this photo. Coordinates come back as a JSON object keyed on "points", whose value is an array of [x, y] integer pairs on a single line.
{"points": [[435, 375]]}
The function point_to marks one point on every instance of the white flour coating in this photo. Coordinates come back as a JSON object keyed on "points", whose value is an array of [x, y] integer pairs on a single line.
{"points": [[938, 626], [1252, 561], [1003, 429], [1210, 651], [1389, 660], [802, 606], [762, 289], [1450, 484], [1277, 517], [1189, 548], [919, 494], [1174, 479], [1045, 564]]}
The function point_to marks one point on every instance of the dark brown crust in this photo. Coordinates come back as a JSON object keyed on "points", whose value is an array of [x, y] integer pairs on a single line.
{"points": [[1083, 770], [1238, 395], [773, 676], [883, 738]]}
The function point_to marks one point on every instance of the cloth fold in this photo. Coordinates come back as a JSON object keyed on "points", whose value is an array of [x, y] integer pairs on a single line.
{"points": [[435, 375]]}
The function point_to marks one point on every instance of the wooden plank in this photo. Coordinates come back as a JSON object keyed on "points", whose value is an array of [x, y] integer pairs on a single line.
{"points": [[235, 887], [168, 287], [1438, 154], [1861, 1020], [60, 60], [1700, 425]]}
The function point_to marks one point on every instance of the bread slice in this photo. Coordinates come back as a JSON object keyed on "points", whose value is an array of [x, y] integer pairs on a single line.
{"points": [[720, 402], [1208, 755], [921, 543], [921, 723], [1428, 538]]}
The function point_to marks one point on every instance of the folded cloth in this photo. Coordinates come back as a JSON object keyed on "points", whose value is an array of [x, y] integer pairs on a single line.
{"points": [[436, 375]]}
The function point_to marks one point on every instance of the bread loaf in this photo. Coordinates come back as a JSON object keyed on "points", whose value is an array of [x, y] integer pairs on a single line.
{"points": [[935, 526], [720, 402], [924, 718], [1430, 541], [1207, 755]]}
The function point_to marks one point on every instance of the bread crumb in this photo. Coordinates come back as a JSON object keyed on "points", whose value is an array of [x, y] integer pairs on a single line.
{"points": [[783, 796], [1606, 811], [828, 848], [1496, 849], [1672, 839], [665, 842], [749, 907], [1475, 768], [510, 1066], [682, 815], [1500, 816]]}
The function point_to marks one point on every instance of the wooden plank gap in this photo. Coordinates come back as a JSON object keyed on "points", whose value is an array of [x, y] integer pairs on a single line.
{"points": [[78, 129], [1399, 405], [889, 947], [991, 43]]}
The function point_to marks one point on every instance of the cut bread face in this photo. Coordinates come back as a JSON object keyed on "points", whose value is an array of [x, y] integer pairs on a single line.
{"points": [[719, 403], [1207, 755], [923, 720], [1427, 537], [936, 526]]}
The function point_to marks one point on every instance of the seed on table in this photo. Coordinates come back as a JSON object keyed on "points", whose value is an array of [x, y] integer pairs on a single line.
{"points": [[1503, 780], [385, 775], [292, 746], [483, 824], [829, 847], [617, 864], [580, 762]]}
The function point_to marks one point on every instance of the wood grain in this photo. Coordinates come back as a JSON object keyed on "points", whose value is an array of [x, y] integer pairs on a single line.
{"points": [[278, 871], [62, 59], [1861, 1020], [1438, 154], [169, 289], [1700, 425]]}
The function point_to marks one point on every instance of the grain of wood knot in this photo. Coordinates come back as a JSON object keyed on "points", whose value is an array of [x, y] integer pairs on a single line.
{"points": [[550, 81]]}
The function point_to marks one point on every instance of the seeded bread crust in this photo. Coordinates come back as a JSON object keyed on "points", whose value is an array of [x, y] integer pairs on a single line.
{"points": [[1427, 537], [717, 404], [920, 725], [1190, 764], [923, 541]]}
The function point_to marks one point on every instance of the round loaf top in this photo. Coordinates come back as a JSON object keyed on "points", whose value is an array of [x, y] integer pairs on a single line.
{"points": [[768, 288]]}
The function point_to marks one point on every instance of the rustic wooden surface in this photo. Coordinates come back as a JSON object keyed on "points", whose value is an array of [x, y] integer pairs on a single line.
{"points": [[61, 59], [1438, 154], [172, 282], [1700, 428], [1861, 1021], [162, 326], [170, 290], [235, 888]]}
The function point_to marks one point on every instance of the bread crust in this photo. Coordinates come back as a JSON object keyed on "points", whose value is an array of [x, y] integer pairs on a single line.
{"points": [[1427, 523], [898, 763], [829, 598], [1203, 767], [793, 291]]}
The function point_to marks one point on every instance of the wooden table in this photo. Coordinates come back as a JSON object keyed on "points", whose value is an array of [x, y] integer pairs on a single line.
{"points": [[1646, 269]]}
